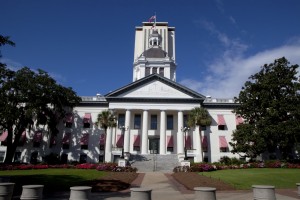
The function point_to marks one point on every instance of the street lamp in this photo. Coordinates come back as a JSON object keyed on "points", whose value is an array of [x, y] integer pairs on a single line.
{"points": [[184, 130], [123, 128]]}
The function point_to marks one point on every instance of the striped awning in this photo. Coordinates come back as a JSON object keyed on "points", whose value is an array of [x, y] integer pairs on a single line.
{"points": [[223, 142], [3, 136], [66, 138], [221, 120], [38, 136], [69, 118], [170, 142], [87, 118], [136, 140], [239, 120], [84, 140], [120, 140], [188, 142], [102, 139], [204, 142]]}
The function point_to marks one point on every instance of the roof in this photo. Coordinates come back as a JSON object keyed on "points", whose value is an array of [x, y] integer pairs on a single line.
{"points": [[117, 93], [155, 53]]}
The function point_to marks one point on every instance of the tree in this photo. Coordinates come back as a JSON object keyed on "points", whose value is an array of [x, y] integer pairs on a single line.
{"points": [[30, 99], [199, 116], [270, 105], [106, 119]]}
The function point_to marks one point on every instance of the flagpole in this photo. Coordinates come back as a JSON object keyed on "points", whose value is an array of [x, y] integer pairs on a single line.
{"points": [[155, 21]]}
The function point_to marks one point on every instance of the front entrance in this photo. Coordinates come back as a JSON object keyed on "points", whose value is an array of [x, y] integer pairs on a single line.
{"points": [[154, 145]]}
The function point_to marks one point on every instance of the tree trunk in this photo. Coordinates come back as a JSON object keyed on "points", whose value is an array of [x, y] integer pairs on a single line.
{"points": [[11, 145], [201, 148]]}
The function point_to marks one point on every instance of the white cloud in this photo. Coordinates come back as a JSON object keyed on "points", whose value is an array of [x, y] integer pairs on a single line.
{"points": [[229, 73]]}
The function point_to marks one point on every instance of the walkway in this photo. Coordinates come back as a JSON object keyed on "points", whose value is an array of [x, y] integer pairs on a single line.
{"points": [[164, 187]]}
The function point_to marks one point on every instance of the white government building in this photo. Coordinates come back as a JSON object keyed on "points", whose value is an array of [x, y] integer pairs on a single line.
{"points": [[151, 114]]}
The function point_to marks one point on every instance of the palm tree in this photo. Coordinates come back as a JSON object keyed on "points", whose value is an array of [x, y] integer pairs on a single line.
{"points": [[199, 116], [106, 119]]}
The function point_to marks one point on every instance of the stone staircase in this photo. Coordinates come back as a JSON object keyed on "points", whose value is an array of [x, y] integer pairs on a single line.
{"points": [[154, 162]]}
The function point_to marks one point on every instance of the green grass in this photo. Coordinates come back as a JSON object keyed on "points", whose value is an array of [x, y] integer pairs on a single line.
{"points": [[52, 179], [245, 178]]}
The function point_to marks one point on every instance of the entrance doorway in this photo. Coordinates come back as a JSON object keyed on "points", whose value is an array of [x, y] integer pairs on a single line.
{"points": [[154, 145]]}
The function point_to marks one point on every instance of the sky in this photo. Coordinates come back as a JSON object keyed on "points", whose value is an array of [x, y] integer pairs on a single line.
{"points": [[88, 45]]}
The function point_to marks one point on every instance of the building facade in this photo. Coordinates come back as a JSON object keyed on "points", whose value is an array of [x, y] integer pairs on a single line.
{"points": [[151, 114]]}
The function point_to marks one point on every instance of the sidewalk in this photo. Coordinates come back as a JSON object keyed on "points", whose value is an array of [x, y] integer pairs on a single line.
{"points": [[165, 187]]}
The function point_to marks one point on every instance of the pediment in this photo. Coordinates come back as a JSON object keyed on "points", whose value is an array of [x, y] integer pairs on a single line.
{"points": [[155, 87]]}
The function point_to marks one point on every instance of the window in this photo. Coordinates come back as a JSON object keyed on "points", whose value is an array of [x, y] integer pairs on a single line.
{"points": [[185, 119], [169, 122], [86, 125], [101, 158], [161, 71], [2, 156], [33, 158], [17, 157], [84, 146], [137, 121], [154, 70], [121, 120], [203, 128], [64, 158], [102, 147], [205, 159], [221, 127], [83, 158], [136, 148], [224, 149], [170, 149], [68, 125], [153, 125], [66, 146], [147, 71], [36, 144]]}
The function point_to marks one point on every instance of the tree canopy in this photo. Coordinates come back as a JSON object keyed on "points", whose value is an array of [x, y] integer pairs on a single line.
{"points": [[199, 116], [30, 98], [269, 103]]}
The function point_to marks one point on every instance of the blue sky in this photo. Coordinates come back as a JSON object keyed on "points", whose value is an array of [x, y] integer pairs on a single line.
{"points": [[89, 45]]}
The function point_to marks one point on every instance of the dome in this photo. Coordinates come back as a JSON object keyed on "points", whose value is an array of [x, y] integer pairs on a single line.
{"points": [[155, 53]]}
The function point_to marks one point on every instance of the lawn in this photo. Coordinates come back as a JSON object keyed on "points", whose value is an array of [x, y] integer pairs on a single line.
{"points": [[245, 178], [52, 179]]}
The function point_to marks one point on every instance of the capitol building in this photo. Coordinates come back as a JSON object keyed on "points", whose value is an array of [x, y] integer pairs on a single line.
{"points": [[151, 113]]}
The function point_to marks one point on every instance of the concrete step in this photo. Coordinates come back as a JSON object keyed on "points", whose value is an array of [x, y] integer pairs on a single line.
{"points": [[154, 162]]}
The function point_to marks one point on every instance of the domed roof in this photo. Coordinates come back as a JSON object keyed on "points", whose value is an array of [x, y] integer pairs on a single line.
{"points": [[155, 52]]}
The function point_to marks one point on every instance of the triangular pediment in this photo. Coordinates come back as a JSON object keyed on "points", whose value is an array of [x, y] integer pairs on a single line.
{"points": [[155, 87]]}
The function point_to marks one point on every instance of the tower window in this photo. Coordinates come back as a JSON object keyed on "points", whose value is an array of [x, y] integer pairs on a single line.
{"points": [[161, 71], [147, 72], [154, 70]]}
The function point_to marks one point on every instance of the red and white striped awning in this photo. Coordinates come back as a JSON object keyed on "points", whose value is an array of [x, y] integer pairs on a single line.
{"points": [[102, 139], [223, 142], [204, 142], [84, 140], [66, 138], [136, 140], [221, 120], [120, 140], [38, 136], [170, 142], [87, 118]]}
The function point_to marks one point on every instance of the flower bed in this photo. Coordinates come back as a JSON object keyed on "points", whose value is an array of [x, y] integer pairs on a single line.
{"points": [[100, 167], [206, 167]]}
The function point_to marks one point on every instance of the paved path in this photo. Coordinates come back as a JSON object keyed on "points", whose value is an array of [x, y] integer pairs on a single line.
{"points": [[164, 187]]}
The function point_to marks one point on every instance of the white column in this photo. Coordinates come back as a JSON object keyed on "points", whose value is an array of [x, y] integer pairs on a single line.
{"points": [[162, 144], [108, 145], [180, 133], [198, 144], [127, 131], [145, 133]]}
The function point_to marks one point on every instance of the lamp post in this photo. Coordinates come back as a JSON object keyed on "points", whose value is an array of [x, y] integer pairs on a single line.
{"points": [[184, 130], [123, 130]]}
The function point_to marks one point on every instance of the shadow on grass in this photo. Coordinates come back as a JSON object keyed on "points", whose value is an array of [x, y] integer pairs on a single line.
{"points": [[62, 183]]}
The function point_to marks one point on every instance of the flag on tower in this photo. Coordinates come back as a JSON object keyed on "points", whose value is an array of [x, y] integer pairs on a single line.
{"points": [[151, 19]]}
